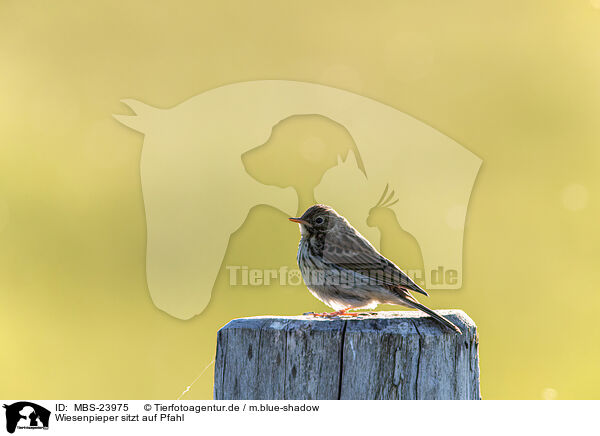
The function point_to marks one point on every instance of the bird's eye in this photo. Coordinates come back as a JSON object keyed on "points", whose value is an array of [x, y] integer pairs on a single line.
{"points": [[319, 220]]}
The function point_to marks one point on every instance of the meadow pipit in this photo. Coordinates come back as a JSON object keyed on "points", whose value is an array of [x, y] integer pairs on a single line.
{"points": [[343, 270]]}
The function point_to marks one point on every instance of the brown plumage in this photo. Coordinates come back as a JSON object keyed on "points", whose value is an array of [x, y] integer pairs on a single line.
{"points": [[342, 269]]}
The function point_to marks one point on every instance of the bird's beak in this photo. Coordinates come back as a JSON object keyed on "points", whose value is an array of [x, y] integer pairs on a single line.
{"points": [[298, 220]]}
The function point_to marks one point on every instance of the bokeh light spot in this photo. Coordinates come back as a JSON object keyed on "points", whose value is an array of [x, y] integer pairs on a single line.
{"points": [[574, 196]]}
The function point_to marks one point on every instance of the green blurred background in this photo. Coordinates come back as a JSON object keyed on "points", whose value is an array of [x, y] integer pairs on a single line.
{"points": [[516, 82]]}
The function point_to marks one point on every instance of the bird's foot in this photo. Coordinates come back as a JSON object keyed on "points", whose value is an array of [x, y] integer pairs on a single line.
{"points": [[334, 314]]}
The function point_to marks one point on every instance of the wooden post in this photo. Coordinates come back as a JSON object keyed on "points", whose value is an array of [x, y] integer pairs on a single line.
{"points": [[383, 356]]}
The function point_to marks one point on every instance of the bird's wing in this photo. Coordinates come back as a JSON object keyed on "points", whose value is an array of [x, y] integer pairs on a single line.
{"points": [[350, 251]]}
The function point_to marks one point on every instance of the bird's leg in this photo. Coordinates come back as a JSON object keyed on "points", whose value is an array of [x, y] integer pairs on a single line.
{"points": [[345, 312], [321, 315]]}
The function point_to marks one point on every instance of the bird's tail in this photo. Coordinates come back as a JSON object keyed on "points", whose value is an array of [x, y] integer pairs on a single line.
{"points": [[438, 318]]}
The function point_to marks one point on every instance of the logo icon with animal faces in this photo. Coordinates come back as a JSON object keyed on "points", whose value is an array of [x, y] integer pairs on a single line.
{"points": [[26, 415], [404, 185]]}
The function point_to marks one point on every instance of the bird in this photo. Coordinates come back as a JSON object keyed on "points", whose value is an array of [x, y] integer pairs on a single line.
{"points": [[343, 270]]}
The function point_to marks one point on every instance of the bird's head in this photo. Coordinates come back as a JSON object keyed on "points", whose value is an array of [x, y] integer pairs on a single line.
{"points": [[319, 218]]}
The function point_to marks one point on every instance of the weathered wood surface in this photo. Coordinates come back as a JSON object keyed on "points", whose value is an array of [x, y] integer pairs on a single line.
{"points": [[389, 355]]}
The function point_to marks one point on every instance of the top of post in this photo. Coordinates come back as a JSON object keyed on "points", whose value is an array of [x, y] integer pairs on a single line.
{"points": [[392, 321]]}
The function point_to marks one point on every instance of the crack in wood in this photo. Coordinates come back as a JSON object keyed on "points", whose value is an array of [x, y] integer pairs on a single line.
{"points": [[418, 361], [341, 373]]}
